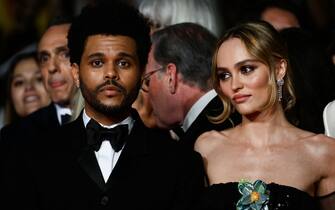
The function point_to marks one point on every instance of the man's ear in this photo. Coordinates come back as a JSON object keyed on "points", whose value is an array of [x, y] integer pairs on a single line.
{"points": [[172, 77], [75, 73], [281, 69]]}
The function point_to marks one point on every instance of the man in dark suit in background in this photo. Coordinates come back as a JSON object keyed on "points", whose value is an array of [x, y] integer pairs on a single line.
{"points": [[54, 62], [178, 81], [107, 158]]}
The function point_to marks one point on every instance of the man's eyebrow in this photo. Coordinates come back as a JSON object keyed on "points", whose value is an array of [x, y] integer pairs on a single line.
{"points": [[94, 55], [61, 49], [121, 54], [43, 52], [124, 54]]}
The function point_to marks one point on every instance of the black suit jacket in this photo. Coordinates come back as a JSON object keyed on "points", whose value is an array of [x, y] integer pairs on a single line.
{"points": [[202, 124], [152, 172], [34, 124], [37, 124]]}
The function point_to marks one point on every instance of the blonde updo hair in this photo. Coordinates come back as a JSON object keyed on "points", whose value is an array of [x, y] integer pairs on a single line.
{"points": [[264, 43]]}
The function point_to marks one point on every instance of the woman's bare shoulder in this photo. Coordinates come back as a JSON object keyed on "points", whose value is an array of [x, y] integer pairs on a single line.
{"points": [[209, 140], [320, 146]]}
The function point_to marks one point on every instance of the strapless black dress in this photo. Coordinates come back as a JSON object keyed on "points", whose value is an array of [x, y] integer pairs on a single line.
{"points": [[225, 197]]}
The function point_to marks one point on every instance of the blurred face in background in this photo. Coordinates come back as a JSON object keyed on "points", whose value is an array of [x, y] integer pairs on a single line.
{"points": [[27, 90], [54, 62], [279, 18]]}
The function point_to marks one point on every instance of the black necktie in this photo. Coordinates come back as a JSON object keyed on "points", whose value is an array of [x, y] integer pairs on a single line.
{"points": [[96, 134], [65, 118], [179, 131]]}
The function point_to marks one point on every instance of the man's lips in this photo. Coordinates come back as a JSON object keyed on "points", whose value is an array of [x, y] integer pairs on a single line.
{"points": [[110, 90], [56, 84]]}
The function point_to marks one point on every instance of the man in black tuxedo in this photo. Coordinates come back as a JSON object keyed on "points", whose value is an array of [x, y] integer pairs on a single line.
{"points": [[178, 81], [106, 158]]}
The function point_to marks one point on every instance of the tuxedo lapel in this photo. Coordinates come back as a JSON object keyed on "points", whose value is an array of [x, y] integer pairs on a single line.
{"points": [[136, 146], [51, 114], [85, 156], [88, 162], [202, 124]]}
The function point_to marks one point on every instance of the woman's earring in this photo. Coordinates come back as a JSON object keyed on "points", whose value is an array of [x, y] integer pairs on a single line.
{"points": [[280, 84]]}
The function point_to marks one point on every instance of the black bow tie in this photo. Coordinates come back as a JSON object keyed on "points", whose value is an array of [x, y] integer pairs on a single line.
{"points": [[96, 134]]}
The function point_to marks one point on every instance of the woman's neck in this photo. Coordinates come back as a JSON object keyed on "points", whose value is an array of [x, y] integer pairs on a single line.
{"points": [[264, 128]]}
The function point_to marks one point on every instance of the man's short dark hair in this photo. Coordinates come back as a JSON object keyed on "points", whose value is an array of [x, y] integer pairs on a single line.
{"points": [[190, 47], [60, 20], [109, 18]]}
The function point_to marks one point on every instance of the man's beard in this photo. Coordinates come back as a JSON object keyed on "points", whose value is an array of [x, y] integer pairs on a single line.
{"points": [[91, 97]]}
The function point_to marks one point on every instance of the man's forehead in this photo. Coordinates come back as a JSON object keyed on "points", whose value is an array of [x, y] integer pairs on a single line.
{"points": [[51, 41], [55, 32]]}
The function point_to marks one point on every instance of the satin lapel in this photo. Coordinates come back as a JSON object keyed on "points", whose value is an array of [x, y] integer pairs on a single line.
{"points": [[135, 148], [88, 162], [85, 156], [202, 124], [53, 115]]}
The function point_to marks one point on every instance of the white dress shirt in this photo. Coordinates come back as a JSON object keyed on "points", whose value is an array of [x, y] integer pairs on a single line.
{"points": [[106, 156], [197, 108]]}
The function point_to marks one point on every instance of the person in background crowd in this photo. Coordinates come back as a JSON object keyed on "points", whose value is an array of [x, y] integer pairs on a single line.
{"points": [[313, 78], [281, 14], [163, 13], [265, 162], [57, 78], [25, 90], [54, 62], [178, 82]]}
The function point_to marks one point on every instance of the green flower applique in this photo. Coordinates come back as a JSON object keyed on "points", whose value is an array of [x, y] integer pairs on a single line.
{"points": [[254, 196]]}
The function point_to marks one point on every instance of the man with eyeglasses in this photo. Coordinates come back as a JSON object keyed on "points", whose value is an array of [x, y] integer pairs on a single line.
{"points": [[178, 81]]}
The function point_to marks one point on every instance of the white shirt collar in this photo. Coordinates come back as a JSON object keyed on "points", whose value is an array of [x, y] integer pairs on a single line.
{"points": [[61, 111], [197, 108], [128, 121]]}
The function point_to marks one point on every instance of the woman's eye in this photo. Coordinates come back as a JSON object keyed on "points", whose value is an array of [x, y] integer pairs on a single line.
{"points": [[247, 69], [223, 75], [39, 79], [18, 83]]}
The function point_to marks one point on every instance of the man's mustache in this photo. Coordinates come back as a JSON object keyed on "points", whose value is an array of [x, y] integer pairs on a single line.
{"points": [[114, 83]]}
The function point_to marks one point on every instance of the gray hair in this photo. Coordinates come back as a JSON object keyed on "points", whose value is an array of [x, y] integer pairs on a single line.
{"points": [[164, 13]]}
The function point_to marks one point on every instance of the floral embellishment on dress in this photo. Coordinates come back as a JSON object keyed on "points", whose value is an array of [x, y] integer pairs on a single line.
{"points": [[254, 196]]}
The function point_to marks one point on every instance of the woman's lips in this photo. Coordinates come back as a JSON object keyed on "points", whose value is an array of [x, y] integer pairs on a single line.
{"points": [[240, 98]]}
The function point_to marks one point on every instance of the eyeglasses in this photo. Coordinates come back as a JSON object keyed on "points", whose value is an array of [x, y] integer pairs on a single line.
{"points": [[146, 79]]}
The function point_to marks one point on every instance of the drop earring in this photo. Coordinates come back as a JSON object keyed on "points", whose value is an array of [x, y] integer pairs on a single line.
{"points": [[280, 84]]}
